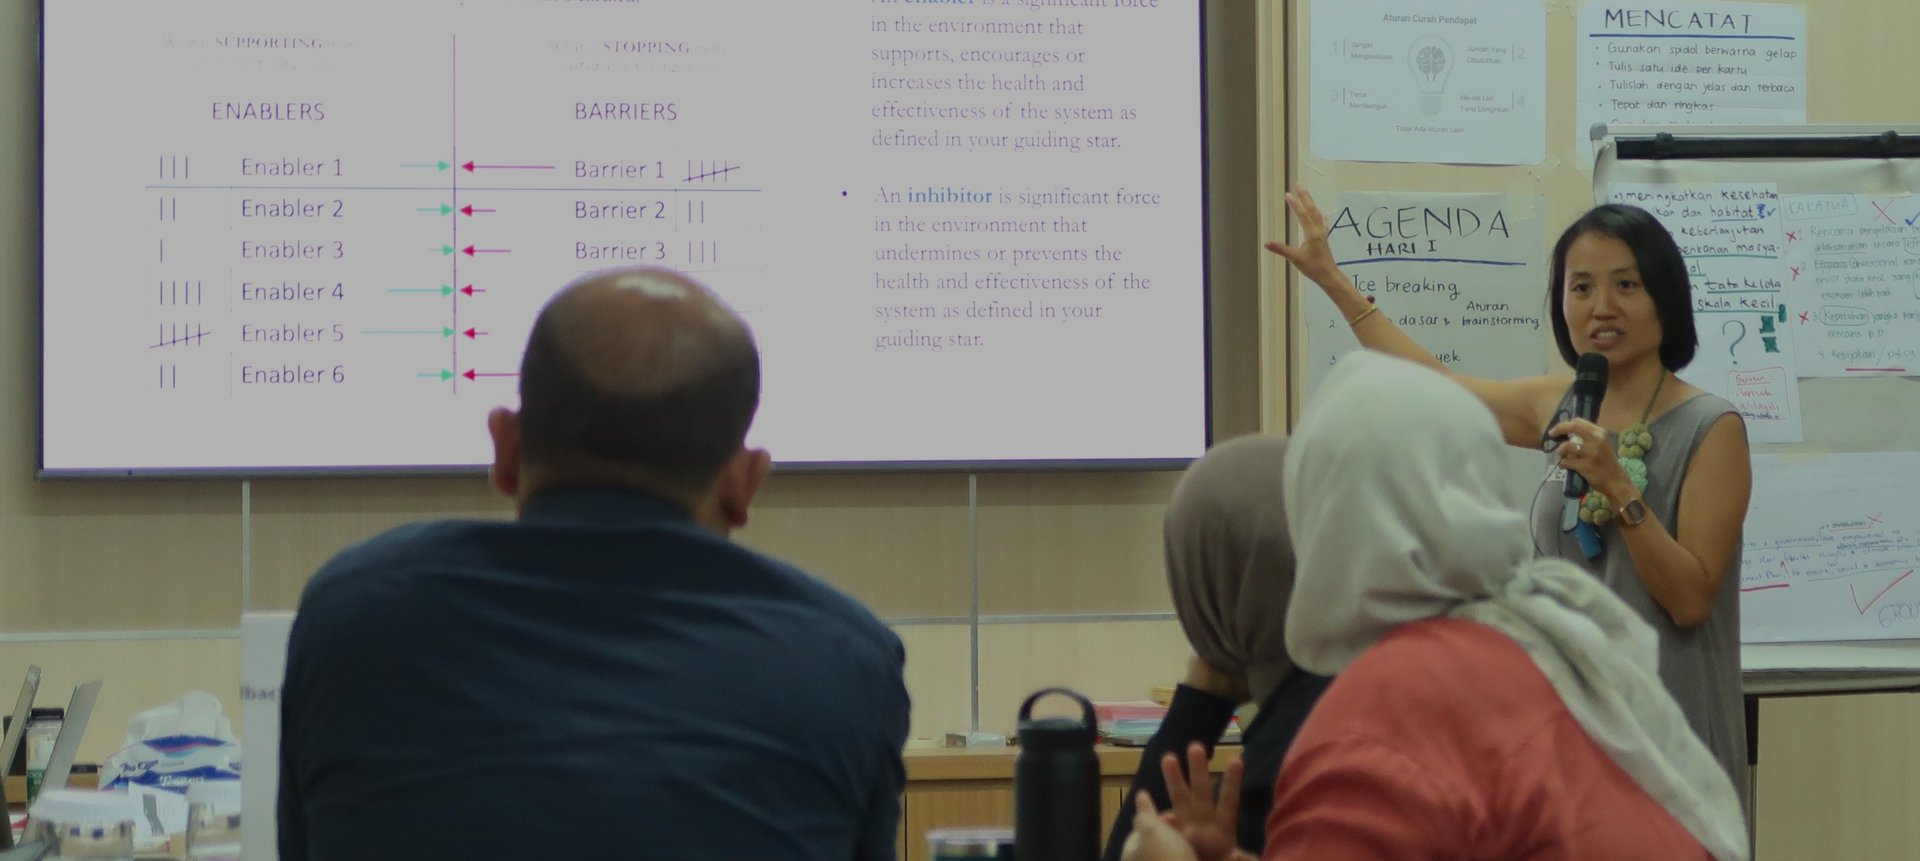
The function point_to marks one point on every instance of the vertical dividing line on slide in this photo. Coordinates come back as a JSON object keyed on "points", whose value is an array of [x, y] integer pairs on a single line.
{"points": [[453, 148], [973, 574]]}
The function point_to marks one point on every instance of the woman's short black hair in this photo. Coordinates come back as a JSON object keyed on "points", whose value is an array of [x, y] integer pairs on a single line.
{"points": [[1663, 272]]}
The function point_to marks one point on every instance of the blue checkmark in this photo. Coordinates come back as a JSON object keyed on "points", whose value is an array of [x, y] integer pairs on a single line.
{"points": [[1916, 217]]}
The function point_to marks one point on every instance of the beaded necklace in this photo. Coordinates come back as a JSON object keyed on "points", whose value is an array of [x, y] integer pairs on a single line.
{"points": [[1595, 508]]}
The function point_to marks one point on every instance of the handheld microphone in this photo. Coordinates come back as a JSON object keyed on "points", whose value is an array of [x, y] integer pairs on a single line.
{"points": [[1589, 387]]}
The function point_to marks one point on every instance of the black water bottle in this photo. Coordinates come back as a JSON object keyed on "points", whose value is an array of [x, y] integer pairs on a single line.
{"points": [[1056, 786]]}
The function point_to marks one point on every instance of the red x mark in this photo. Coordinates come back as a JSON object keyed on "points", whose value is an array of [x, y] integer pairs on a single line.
{"points": [[1792, 236], [1874, 519], [1883, 212], [1796, 272], [1803, 316]]}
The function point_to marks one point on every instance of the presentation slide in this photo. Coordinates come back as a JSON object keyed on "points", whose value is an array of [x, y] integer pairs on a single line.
{"points": [[305, 236]]}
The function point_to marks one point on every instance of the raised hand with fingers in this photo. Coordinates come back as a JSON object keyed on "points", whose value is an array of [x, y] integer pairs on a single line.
{"points": [[1152, 838], [1208, 824], [1313, 254]]}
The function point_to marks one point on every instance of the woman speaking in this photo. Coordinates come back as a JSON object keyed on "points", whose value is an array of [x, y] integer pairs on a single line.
{"points": [[1665, 462]]}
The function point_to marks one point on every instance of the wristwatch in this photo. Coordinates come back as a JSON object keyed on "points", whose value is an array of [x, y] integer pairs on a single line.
{"points": [[1631, 512]]}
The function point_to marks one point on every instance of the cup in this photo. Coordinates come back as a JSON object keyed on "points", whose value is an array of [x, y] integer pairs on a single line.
{"points": [[213, 820], [77, 824], [43, 729]]}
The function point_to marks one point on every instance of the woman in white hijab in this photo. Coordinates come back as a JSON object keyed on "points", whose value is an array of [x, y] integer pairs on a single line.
{"points": [[1490, 705]]}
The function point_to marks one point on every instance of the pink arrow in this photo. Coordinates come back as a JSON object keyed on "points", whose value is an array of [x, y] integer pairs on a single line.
{"points": [[468, 210], [471, 251], [476, 374], [469, 290], [473, 334], [471, 167]]}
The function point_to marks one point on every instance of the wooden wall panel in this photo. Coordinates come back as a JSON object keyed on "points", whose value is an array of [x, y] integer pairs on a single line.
{"points": [[900, 543], [1078, 543], [298, 524], [1838, 777], [939, 678], [1101, 660]]}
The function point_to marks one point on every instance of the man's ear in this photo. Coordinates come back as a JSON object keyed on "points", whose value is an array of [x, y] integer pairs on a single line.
{"points": [[504, 426], [740, 482]]}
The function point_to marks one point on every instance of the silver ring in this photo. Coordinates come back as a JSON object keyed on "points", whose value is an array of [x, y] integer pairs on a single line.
{"points": [[1579, 442]]}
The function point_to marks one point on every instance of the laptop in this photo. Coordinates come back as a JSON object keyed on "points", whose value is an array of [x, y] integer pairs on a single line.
{"points": [[22, 709], [10, 744], [67, 744]]}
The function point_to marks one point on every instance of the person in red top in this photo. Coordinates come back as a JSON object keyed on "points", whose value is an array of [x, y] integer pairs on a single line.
{"points": [[1489, 705]]}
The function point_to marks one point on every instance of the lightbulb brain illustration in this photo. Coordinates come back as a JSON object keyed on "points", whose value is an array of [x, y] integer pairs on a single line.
{"points": [[1431, 61]]}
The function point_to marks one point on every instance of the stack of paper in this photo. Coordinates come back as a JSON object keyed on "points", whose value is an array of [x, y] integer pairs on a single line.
{"points": [[1131, 724]]}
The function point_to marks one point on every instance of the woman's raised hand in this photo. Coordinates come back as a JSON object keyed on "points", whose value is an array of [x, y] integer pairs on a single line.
{"points": [[1312, 255]]}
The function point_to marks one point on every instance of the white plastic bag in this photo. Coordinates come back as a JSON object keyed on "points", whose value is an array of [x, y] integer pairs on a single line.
{"points": [[172, 746]]}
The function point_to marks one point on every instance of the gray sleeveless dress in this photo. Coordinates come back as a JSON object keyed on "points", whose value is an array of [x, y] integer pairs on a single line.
{"points": [[1700, 666]]}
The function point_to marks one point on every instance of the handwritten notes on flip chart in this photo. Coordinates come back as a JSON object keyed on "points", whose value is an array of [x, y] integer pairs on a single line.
{"points": [[1710, 62], [1854, 282], [1412, 80], [1731, 236], [1458, 272], [1832, 547]]}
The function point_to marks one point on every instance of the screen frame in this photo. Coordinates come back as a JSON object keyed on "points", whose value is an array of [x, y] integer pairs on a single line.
{"points": [[1037, 465]]}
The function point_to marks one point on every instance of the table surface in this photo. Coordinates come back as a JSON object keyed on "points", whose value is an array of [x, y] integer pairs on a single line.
{"points": [[996, 763]]}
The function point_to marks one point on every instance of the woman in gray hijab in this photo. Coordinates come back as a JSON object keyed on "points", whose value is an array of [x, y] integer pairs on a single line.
{"points": [[1230, 568]]}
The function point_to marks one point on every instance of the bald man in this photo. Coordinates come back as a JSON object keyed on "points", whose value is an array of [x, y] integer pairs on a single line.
{"points": [[606, 676]]}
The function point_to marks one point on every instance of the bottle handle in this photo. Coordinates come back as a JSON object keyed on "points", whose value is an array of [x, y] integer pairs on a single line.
{"points": [[1086, 706]]}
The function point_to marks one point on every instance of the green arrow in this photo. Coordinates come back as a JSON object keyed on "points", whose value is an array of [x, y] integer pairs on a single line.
{"points": [[442, 332], [438, 165], [443, 209], [446, 250], [443, 376], [442, 290]]}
